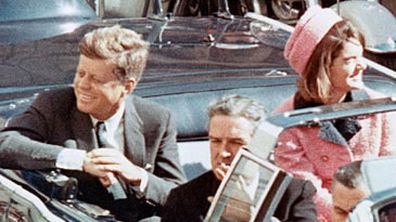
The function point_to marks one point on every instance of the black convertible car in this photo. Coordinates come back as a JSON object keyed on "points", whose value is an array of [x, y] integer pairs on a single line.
{"points": [[192, 61]]}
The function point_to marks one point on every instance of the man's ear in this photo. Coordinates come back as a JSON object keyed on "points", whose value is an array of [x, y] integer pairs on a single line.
{"points": [[129, 85]]}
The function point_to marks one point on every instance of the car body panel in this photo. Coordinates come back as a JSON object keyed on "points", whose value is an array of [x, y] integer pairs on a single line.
{"points": [[28, 20]]}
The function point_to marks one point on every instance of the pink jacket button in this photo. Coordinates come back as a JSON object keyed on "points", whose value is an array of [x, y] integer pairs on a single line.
{"points": [[324, 158]]}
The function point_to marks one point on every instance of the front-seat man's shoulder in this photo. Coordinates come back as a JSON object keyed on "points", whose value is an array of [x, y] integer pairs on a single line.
{"points": [[297, 203], [190, 200]]}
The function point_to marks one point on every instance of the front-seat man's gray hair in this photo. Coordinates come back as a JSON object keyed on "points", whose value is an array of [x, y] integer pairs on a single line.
{"points": [[238, 106]]}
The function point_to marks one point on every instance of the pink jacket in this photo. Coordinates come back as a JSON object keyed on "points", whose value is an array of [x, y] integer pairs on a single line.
{"points": [[310, 153]]}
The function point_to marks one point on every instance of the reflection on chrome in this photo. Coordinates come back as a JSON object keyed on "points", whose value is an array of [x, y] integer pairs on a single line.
{"points": [[68, 8], [17, 204], [69, 27]]}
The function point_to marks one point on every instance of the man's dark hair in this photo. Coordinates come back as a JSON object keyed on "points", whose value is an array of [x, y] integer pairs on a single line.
{"points": [[349, 175]]}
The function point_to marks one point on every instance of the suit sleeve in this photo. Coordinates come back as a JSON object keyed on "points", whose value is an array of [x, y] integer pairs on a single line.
{"points": [[189, 202], [168, 172], [22, 142], [304, 209], [172, 211]]}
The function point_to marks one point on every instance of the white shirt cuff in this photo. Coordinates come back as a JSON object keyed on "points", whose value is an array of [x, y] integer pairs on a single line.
{"points": [[143, 184], [70, 159]]}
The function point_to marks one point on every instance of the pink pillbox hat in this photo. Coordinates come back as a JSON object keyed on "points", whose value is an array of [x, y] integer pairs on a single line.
{"points": [[309, 31]]}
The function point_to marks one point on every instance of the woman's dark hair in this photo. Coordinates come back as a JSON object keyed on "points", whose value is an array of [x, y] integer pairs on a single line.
{"points": [[314, 84]]}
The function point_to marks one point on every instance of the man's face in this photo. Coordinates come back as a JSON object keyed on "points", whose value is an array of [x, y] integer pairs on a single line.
{"points": [[97, 89], [227, 136], [345, 200]]}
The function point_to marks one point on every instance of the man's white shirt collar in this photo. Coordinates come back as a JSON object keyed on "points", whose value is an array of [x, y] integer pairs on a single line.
{"points": [[114, 121]]}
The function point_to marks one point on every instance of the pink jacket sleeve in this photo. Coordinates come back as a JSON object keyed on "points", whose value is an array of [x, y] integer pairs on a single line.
{"points": [[388, 141]]}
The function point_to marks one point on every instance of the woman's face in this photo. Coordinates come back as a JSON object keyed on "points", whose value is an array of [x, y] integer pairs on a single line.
{"points": [[347, 68]]}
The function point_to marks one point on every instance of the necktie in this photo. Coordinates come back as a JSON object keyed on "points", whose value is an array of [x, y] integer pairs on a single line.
{"points": [[100, 134], [115, 188]]}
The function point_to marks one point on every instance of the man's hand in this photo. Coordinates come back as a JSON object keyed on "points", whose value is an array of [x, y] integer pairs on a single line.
{"points": [[108, 179], [221, 170], [101, 162], [90, 167]]}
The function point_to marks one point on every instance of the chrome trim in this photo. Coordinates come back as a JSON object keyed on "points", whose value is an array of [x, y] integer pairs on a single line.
{"points": [[37, 210]]}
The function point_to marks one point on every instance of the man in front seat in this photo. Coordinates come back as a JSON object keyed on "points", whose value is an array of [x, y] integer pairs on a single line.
{"points": [[233, 120]]}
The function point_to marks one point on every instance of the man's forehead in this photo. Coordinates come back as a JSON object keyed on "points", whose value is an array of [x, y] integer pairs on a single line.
{"points": [[104, 62], [228, 138], [346, 198], [230, 128], [230, 133], [230, 122], [101, 67]]}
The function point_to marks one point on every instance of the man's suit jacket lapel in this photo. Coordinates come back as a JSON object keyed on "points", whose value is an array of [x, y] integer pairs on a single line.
{"points": [[135, 148], [83, 131]]}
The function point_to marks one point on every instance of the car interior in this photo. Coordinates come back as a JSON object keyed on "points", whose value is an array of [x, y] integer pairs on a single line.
{"points": [[190, 112]]}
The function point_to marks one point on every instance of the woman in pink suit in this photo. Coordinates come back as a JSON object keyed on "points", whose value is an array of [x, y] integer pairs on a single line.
{"points": [[327, 51]]}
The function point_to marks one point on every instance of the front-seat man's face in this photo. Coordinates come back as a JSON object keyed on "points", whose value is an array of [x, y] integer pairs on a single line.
{"points": [[345, 200], [227, 135]]}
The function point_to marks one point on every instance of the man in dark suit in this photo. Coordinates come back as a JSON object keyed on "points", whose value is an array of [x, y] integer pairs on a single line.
{"points": [[137, 164], [232, 123]]}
